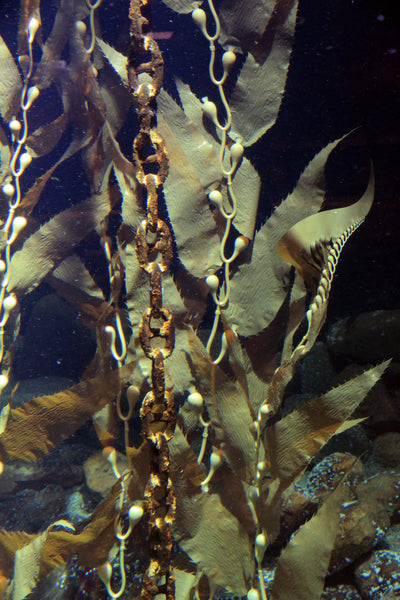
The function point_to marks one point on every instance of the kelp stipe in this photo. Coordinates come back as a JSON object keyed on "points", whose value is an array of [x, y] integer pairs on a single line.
{"points": [[203, 491]]}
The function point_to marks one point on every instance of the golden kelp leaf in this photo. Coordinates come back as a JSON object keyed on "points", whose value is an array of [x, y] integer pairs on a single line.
{"points": [[228, 407], [27, 562], [5, 154], [295, 439], [54, 241], [269, 508], [183, 458], [117, 60], [213, 530], [10, 542], [257, 95], [10, 84], [4, 414], [246, 181], [246, 188], [297, 245], [243, 22], [183, 6], [91, 546], [38, 426], [139, 458], [26, 567], [194, 171], [303, 564], [73, 281], [185, 584]]}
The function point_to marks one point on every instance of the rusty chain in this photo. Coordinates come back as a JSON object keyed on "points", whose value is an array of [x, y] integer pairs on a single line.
{"points": [[154, 253]]}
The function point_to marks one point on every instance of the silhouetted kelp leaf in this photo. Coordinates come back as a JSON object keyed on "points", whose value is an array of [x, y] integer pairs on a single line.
{"points": [[38, 426], [295, 439], [44, 139], [303, 564], [63, 30], [10, 84], [32, 196]]}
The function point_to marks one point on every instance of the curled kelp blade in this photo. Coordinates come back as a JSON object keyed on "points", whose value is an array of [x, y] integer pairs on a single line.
{"points": [[299, 245], [244, 315]]}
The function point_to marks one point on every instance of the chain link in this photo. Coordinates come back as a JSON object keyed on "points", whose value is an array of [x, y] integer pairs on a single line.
{"points": [[154, 254]]}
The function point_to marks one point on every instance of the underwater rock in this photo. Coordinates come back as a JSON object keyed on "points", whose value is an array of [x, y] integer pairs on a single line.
{"points": [[378, 578], [393, 538], [340, 592], [18, 475], [297, 508], [366, 513], [316, 370], [99, 474], [76, 507], [365, 521], [325, 476], [361, 528], [32, 510], [386, 448], [370, 337]]}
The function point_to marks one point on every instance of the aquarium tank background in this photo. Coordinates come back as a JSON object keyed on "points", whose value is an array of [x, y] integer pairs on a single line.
{"points": [[199, 321]]}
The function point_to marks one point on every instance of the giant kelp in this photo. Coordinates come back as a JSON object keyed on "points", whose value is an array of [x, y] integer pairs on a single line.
{"points": [[217, 457]]}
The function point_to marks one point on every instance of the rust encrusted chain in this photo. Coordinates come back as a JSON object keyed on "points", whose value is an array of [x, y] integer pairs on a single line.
{"points": [[154, 252]]}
